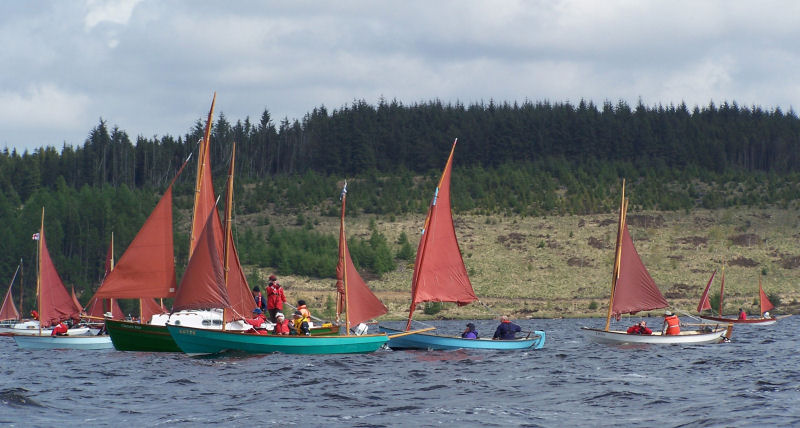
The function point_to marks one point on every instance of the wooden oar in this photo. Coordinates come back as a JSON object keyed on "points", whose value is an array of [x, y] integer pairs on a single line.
{"points": [[406, 333]]}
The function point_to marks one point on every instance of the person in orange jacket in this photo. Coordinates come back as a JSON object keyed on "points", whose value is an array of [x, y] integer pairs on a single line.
{"points": [[671, 325]]}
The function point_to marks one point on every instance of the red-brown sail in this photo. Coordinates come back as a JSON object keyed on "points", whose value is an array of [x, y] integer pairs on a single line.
{"points": [[147, 268], [204, 200], [721, 290], [241, 299], [635, 289], [766, 305], [150, 307], [8, 311], [704, 302], [359, 301], [203, 283], [98, 308], [55, 302], [439, 271]]}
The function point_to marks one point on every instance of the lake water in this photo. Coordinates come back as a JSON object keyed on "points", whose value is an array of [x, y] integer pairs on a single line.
{"points": [[752, 381]]}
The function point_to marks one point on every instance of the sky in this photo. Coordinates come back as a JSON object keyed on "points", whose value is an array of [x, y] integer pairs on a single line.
{"points": [[151, 67]]}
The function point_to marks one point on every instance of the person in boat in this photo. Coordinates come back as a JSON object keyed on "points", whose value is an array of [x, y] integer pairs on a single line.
{"points": [[507, 330], [301, 306], [261, 302], [282, 326], [360, 329], [258, 319], [301, 324], [470, 332], [742, 314], [767, 315], [640, 328], [35, 315], [275, 297], [671, 325], [60, 329]]}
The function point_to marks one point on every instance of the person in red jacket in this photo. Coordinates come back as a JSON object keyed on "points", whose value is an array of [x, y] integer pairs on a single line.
{"points": [[281, 325], [35, 315], [60, 330], [258, 320], [275, 297], [640, 328], [742, 314]]}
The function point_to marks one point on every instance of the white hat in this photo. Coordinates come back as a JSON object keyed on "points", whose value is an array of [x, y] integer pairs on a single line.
{"points": [[108, 315], [279, 314]]}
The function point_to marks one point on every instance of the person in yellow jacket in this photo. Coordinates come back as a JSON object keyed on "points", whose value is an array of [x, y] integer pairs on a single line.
{"points": [[301, 324], [671, 325]]}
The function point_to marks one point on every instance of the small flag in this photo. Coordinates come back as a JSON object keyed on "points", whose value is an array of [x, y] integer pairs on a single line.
{"points": [[344, 190], [35, 236]]}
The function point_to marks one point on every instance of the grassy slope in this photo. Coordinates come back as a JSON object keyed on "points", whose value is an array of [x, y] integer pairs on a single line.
{"points": [[552, 267]]}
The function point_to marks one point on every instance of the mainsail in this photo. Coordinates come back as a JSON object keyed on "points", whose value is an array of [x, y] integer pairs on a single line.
{"points": [[439, 271], [704, 302], [203, 283], [766, 305], [55, 302], [354, 295]]}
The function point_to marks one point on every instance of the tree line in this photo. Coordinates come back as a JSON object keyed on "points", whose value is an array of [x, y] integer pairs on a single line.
{"points": [[512, 159]]}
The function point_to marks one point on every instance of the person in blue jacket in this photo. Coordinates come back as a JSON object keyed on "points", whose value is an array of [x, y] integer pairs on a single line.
{"points": [[507, 330], [470, 332]]}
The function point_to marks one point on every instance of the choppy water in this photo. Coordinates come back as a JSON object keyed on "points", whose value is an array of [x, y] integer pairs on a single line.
{"points": [[752, 381]]}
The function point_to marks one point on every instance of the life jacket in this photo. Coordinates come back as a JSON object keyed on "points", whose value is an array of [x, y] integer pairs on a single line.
{"points": [[59, 330], [257, 321], [673, 325], [281, 327], [304, 310], [298, 325], [259, 300]]}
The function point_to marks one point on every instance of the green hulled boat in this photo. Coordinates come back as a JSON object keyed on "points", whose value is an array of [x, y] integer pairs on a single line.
{"points": [[200, 341], [133, 336]]}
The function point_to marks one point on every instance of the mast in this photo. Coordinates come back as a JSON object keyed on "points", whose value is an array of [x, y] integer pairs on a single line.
{"points": [[21, 284], [721, 288], [623, 206], [342, 261], [39, 272], [201, 160], [111, 267], [228, 224]]}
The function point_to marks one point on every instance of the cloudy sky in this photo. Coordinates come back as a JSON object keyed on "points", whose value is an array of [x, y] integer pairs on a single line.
{"points": [[151, 67]]}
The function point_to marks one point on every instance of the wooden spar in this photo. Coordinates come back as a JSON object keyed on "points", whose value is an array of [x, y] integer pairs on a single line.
{"points": [[342, 235], [111, 301], [39, 272], [406, 333], [21, 284], [204, 146], [721, 288], [228, 224], [617, 255]]}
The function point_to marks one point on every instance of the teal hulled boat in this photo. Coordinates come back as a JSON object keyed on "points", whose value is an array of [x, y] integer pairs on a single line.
{"points": [[200, 341]]}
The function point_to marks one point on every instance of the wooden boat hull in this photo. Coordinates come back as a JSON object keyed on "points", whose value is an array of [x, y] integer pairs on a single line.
{"points": [[199, 341], [64, 342], [756, 321], [133, 336], [435, 342], [621, 337]]}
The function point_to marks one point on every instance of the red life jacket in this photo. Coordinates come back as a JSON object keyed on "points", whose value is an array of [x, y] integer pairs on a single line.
{"points": [[673, 325], [60, 329], [282, 327], [275, 296]]}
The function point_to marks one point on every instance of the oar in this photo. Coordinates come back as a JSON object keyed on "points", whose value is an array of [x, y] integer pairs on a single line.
{"points": [[406, 333]]}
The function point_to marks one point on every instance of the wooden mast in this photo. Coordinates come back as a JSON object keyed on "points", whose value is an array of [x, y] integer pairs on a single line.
{"points": [[228, 224], [204, 147], [617, 254], [721, 288], [39, 273], [342, 260]]}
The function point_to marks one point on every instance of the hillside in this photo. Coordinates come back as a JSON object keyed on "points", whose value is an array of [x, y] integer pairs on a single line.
{"points": [[556, 266]]}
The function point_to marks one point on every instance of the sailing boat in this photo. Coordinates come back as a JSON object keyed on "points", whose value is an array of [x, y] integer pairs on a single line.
{"points": [[440, 276], [9, 315], [54, 305], [764, 305], [633, 290], [359, 302]]}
